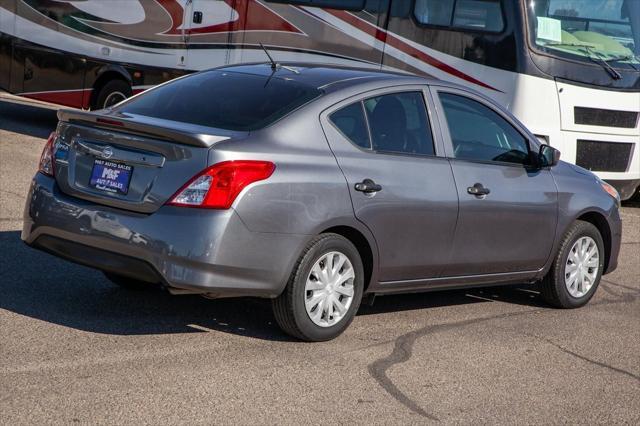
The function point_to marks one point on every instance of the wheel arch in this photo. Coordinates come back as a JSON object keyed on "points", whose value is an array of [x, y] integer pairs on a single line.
{"points": [[366, 248], [103, 76], [599, 220]]}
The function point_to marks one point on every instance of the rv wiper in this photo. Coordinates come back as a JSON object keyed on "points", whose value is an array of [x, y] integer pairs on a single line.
{"points": [[629, 57], [599, 60], [559, 43], [590, 54]]}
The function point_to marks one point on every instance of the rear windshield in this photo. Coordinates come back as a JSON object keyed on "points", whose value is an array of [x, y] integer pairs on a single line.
{"points": [[223, 99]]}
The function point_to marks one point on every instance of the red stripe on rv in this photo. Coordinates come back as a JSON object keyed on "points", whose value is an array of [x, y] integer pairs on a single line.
{"points": [[394, 41], [72, 98], [175, 10]]}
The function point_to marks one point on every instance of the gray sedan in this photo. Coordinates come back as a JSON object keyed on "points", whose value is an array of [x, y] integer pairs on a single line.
{"points": [[316, 186]]}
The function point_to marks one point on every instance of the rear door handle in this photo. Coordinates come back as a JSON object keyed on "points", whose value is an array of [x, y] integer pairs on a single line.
{"points": [[367, 186], [478, 190]]}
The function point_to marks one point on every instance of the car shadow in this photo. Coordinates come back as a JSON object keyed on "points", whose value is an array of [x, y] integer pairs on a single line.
{"points": [[41, 286], [26, 119]]}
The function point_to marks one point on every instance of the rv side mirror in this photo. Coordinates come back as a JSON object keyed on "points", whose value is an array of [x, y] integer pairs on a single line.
{"points": [[548, 156]]}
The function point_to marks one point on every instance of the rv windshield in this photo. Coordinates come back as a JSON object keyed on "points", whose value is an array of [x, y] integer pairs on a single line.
{"points": [[601, 30]]}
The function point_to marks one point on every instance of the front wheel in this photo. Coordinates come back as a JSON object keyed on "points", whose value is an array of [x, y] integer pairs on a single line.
{"points": [[324, 291], [577, 268]]}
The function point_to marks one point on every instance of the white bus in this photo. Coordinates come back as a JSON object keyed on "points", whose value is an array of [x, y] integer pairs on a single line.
{"points": [[569, 69]]}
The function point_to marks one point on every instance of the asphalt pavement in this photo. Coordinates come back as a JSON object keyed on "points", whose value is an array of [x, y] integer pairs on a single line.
{"points": [[76, 349]]}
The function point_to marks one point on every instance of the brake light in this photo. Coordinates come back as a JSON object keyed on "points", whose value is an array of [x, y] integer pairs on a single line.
{"points": [[46, 165], [109, 122], [218, 186]]}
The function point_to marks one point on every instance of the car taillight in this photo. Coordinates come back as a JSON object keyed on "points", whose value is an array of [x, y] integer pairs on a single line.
{"points": [[218, 186], [46, 165]]}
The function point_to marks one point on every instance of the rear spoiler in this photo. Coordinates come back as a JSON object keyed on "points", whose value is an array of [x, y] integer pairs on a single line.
{"points": [[173, 131]]}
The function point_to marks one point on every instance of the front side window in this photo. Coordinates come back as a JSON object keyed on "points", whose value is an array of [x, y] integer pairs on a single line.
{"points": [[479, 133], [587, 29], [482, 15], [398, 123]]}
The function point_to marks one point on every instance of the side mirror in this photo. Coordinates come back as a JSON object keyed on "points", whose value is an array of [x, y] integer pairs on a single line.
{"points": [[548, 156]]}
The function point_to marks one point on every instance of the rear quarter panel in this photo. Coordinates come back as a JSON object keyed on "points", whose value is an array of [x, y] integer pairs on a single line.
{"points": [[306, 193]]}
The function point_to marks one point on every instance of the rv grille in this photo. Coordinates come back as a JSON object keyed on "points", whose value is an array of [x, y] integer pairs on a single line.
{"points": [[603, 156], [605, 117]]}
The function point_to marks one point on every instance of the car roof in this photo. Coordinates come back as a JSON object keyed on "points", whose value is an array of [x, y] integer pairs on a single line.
{"points": [[328, 76]]}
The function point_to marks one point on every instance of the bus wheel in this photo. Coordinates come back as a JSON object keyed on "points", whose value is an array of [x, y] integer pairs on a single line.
{"points": [[111, 93]]}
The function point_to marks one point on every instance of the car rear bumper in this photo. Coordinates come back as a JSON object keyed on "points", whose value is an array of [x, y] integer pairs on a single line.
{"points": [[204, 251]]}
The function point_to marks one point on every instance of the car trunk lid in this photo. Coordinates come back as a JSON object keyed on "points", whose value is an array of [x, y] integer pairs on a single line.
{"points": [[132, 163]]}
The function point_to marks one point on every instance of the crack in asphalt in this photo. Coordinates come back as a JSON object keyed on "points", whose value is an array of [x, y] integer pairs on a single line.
{"points": [[618, 297], [589, 360], [403, 347], [403, 350], [15, 194]]}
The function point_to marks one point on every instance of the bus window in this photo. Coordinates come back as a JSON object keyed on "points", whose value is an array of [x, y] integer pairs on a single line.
{"points": [[605, 29], [330, 4], [434, 12], [483, 15]]}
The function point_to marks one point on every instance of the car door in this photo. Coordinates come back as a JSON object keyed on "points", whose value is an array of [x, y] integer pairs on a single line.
{"points": [[401, 186], [508, 207]]}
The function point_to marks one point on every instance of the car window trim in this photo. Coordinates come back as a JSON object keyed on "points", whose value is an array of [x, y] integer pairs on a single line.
{"points": [[446, 134], [366, 123], [434, 124]]}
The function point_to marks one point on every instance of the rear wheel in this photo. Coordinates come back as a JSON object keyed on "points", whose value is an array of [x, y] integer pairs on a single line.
{"points": [[129, 283], [113, 92], [324, 291], [577, 268]]}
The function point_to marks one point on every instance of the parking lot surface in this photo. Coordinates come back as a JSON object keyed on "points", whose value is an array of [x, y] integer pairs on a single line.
{"points": [[76, 349]]}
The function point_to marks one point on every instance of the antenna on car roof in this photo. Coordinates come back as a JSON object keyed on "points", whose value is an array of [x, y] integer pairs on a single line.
{"points": [[274, 64]]}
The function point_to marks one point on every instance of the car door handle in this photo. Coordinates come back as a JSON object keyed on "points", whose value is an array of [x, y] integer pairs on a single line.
{"points": [[367, 186], [478, 190]]}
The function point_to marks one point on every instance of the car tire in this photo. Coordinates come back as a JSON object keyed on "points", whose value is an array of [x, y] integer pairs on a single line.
{"points": [[311, 280], [111, 93], [562, 286], [129, 283]]}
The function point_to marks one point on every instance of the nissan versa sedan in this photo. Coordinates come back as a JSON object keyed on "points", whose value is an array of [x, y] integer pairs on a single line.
{"points": [[315, 186]]}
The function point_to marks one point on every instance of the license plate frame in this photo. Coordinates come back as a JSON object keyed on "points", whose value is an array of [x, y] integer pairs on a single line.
{"points": [[110, 176]]}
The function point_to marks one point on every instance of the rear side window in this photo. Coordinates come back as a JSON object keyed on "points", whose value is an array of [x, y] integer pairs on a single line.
{"points": [[351, 122], [223, 99], [479, 133], [483, 15], [398, 123]]}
